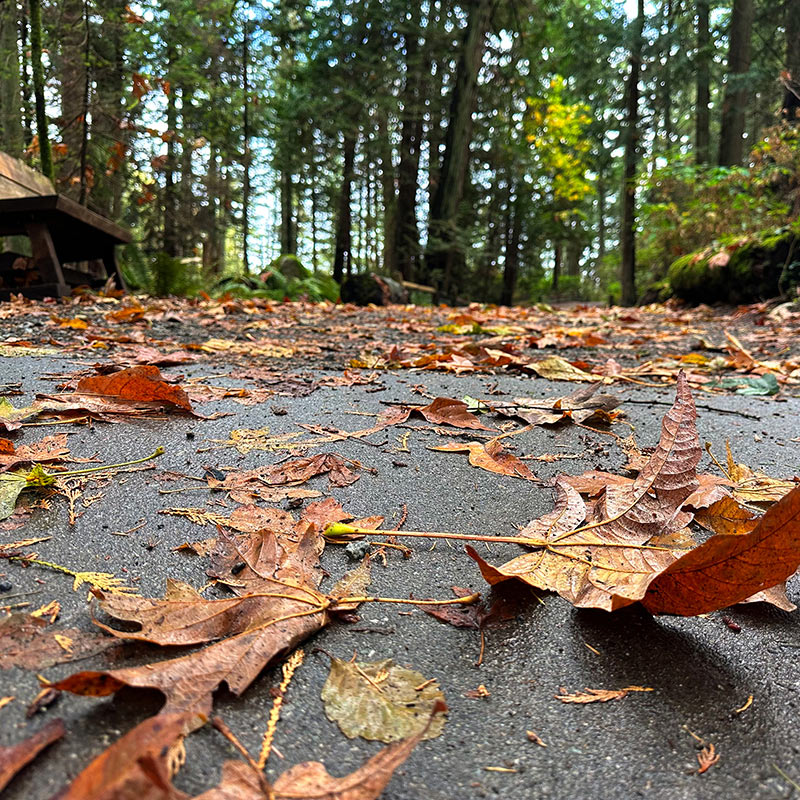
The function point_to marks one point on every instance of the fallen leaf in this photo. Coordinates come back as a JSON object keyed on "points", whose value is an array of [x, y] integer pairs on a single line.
{"points": [[135, 766], [12, 418], [555, 368], [14, 758], [32, 643], [311, 781], [491, 457], [580, 406], [728, 569], [50, 448], [277, 607], [380, 700], [442, 411], [598, 695], [140, 384]]}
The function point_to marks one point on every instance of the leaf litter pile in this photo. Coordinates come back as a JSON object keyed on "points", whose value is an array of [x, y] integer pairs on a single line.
{"points": [[660, 533]]}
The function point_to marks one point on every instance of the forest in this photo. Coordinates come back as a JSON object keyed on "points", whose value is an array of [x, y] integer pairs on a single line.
{"points": [[503, 152]]}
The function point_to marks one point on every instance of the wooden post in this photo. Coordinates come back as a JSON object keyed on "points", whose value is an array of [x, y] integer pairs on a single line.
{"points": [[45, 256]]}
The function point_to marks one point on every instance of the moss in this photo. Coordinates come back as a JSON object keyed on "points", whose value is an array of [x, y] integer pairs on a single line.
{"points": [[290, 266], [751, 273]]}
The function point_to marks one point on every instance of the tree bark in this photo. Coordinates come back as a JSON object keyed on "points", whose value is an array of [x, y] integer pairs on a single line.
{"points": [[246, 188], [702, 129], [418, 66], [389, 196], [342, 260], [170, 234], [511, 265], [72, 74], [442, 253], [45, 152], [11, 134], [627, 234], [790, 108], [558, 252], [734, 106]]}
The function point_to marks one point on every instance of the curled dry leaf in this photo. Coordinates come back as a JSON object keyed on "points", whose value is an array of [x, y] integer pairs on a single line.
{"points": [[580, 406], [14, 758], [50, 448], [12, 418], [598, 695], [606, 563], [491, 457], [381, 701]]}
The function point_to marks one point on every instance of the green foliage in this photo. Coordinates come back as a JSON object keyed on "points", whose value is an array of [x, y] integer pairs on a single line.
{"points": [[161, 275], [273, 285], [690, 208]]}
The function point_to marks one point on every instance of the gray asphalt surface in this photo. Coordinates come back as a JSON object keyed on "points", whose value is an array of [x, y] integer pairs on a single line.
{"points": [[700, 669]]}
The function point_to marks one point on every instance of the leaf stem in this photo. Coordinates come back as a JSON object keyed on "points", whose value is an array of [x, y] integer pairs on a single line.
{"points": [[159, 451]]}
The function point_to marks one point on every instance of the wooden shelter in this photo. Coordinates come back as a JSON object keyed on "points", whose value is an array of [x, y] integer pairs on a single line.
{"points": [[61, 232]]}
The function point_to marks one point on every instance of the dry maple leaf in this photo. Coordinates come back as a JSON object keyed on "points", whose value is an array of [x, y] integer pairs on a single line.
{"points": [[278, 606], [491, 457], [607, 562], [598, 695], [141, 384], [14, 758]]}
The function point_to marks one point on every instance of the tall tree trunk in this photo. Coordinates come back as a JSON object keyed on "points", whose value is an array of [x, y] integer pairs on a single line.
{"points": [[417, 77], [627, 235], [72, 69], [246, 189], [288, 229], [45, 152], [343, 256], [702, 130], [601, 219], [388, 196], [511, 265], [11, 134], [442, 251], [790, 109], [109, 137], [558, 257], [170, 234], [734, 106]]}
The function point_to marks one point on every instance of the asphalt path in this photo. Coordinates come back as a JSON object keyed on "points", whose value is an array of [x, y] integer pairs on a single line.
{"points": [[701, 669]]}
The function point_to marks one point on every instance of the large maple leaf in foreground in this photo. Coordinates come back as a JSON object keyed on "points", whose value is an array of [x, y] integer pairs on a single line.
{"points": [[625, 549]]}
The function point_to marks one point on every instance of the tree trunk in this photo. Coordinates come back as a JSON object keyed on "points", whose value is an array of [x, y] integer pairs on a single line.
{"points": [[627, 236], [170, 234], [109, 138], [511, 266], [601, 220], [342, 260], [702, 135], [288, 229], [418, 66], [790, 109], [389, 196], [443, 249], [45, 152], [72, 69], [734, 106], [11, 134], [246, 189], [558, 250]]}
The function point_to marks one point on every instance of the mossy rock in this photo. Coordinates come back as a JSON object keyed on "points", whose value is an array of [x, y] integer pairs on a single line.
{"points": [[657, 292], [290, 266], [743, 270]]}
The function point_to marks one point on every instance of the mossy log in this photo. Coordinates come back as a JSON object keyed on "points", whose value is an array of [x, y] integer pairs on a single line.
{"points": [[371, 288], [743, 270]]}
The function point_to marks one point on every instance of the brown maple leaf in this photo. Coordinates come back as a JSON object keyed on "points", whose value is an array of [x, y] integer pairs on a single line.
{"points": [[48, 449], [14, 758], [277, 606]]}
